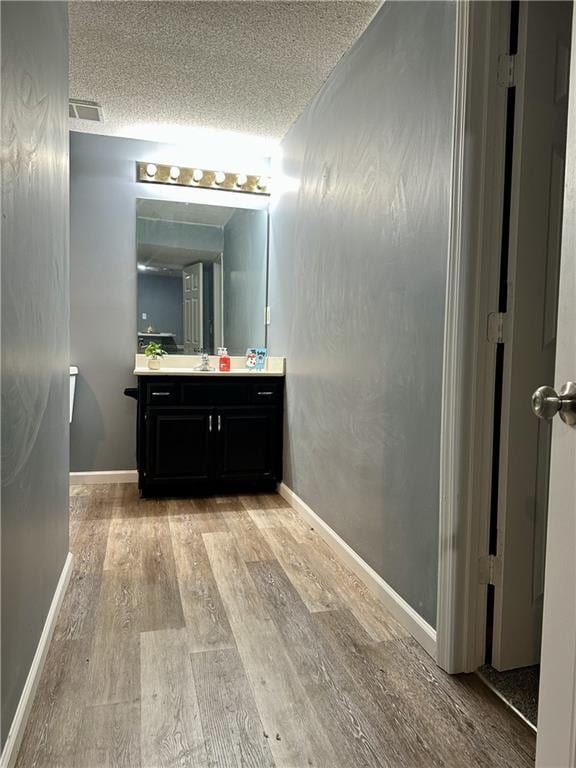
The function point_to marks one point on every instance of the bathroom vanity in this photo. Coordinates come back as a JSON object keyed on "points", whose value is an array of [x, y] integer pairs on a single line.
{"points": [[209, 432], [201, 285]]}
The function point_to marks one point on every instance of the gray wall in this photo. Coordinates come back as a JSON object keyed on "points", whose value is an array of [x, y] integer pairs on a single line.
{"points": [[244, 277], [161, 299], [103, 195], [357, 288], [35, 349]]}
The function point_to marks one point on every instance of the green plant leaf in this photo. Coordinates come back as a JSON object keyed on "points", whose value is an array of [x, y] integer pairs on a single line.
{"points": [[153, 349]]}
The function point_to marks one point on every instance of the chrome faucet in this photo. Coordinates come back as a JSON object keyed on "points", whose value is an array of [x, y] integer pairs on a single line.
{"points": [[205, 364]]}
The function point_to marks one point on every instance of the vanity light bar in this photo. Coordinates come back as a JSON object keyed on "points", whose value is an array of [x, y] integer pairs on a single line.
{"points": [[175, 175]]}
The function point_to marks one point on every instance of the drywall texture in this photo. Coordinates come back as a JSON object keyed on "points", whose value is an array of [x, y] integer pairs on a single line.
{"points": [[35, 379], [245, 257], [103, 194], [357, 288]]}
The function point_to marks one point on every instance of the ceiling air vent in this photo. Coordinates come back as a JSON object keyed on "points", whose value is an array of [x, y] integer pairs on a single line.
{"points": [[85, 110]]}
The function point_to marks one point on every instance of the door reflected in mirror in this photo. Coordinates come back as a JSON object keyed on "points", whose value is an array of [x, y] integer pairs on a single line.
{"points": [[201, 276]]}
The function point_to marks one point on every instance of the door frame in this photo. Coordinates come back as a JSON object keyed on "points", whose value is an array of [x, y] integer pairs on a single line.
{"points": [[468, 373], [218, 302], [187, 303], [469, 360]]}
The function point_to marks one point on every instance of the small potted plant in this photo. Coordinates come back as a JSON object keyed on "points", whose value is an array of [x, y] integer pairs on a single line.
{"points": [[154, 352]]}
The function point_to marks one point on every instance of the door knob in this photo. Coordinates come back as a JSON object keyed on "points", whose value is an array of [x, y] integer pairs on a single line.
{"points": [[546, 403]]}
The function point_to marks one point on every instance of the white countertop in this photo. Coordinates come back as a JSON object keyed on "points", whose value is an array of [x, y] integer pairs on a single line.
{"points": [[183, 365], [145, 371]]}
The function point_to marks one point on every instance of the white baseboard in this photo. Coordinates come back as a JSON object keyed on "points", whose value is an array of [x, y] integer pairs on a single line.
{"points": [[111, 476], [16, 732], [398, 607]]}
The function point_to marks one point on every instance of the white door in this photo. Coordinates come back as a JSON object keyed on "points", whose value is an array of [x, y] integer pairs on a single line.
{"points": [[556, 744], [542, 74], [192, 286]]}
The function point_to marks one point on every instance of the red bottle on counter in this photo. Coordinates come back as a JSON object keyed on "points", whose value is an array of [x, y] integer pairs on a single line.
{"points": [[224, 362]]}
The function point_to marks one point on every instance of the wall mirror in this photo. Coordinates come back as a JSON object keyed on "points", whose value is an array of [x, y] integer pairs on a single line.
{"points": [[202, 273]]}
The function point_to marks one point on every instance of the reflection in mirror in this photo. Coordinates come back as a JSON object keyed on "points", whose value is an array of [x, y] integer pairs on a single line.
{"points": [[201, 276]]}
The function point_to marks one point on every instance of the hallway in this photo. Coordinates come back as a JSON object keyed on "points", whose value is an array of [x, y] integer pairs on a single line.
{"points": [[223, 632]]}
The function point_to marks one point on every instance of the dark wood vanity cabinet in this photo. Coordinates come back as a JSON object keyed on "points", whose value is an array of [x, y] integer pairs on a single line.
{"points": [[208, 434]]}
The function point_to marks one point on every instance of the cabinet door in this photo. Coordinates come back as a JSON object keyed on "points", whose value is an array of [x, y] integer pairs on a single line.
{"points": [[247, 443], [180, 443]]}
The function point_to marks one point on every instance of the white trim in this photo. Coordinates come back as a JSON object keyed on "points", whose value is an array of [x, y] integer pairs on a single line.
{"points": [[497, 693], [469, 359], [109, 476], [16, 732], [398, 607], [453, 372]]}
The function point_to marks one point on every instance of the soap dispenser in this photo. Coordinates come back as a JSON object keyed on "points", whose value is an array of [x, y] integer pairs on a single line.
{"points": [[224, 360]]}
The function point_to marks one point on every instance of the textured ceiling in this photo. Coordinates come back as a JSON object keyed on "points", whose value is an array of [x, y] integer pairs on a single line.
{"points": [[160, 68]]}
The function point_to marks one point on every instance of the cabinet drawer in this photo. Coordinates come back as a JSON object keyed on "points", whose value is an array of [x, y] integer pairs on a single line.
{"points": [[265, 392], [215, 392], [163, 393]]}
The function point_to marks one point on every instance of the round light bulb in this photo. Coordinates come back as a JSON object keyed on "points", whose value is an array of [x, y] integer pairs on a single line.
{"points": [[197, 174], [151, 170], [174, 172], [263, 183], [219, 177], [241, 179]]}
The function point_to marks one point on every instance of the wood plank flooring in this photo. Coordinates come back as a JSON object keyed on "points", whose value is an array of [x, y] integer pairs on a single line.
{"points": [[224, 633]]}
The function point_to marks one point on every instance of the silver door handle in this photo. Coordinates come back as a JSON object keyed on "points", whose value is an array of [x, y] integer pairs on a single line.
{"points": [[546, 403], [163, 394], [210, 423], [219, 422]]}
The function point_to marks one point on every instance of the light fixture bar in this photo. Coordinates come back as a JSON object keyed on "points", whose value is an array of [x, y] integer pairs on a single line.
{"points": [[154, 173]]}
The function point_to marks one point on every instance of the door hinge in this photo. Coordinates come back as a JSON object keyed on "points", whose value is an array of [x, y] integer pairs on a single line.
{"points": [[489, 570], [496, 327], [506, 70]]}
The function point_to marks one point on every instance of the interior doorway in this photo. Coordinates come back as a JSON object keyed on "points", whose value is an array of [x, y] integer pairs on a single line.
{"points": [[511, 103], [524, 331]]}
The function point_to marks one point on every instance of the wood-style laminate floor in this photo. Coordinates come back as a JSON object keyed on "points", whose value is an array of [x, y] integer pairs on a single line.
{"points": [[223, 632]]}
